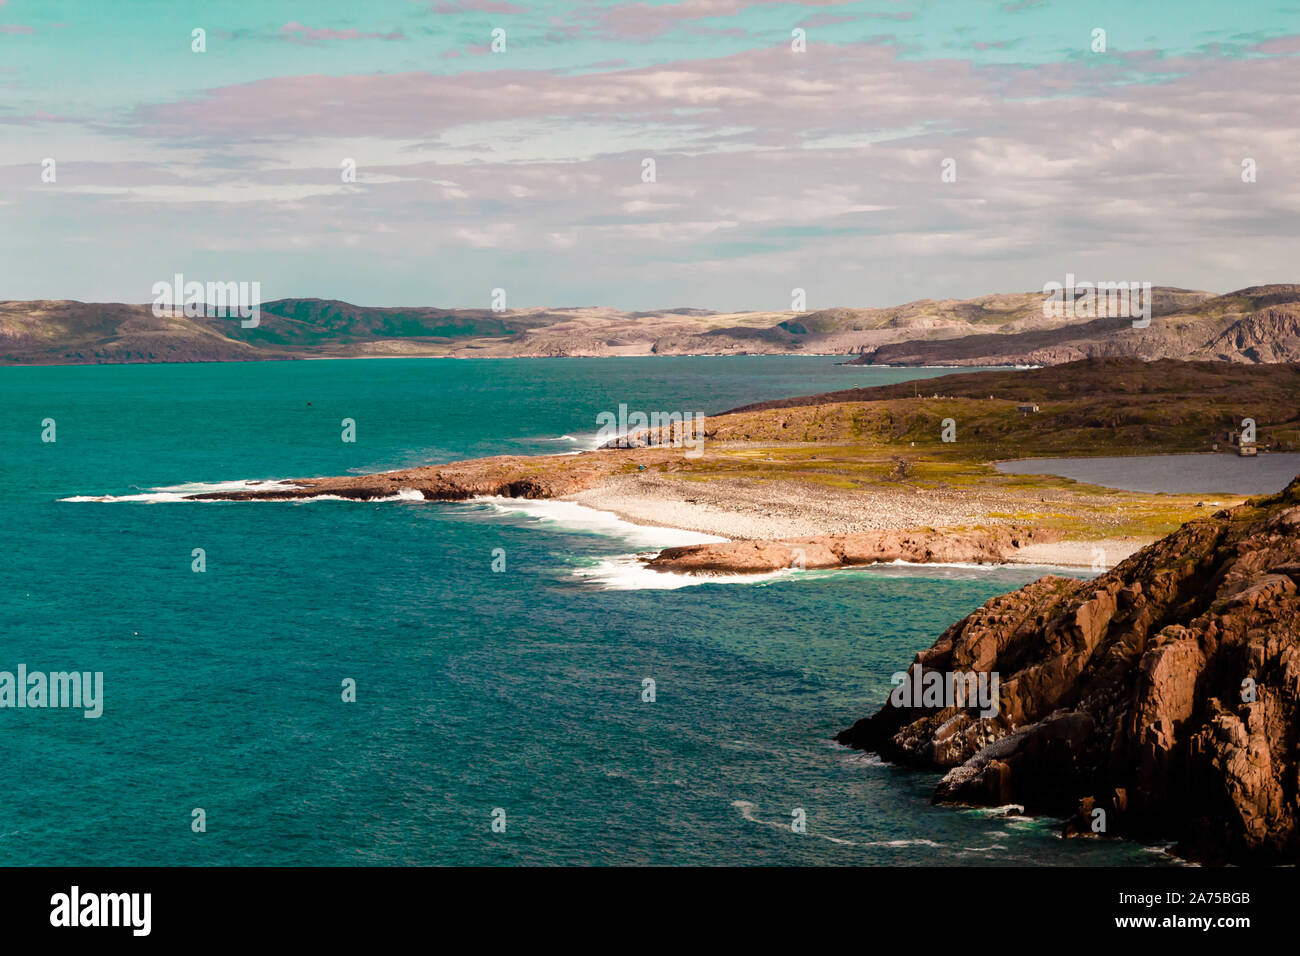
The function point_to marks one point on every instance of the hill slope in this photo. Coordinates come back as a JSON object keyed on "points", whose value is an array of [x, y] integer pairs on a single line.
{"points": [[1257, 325]]}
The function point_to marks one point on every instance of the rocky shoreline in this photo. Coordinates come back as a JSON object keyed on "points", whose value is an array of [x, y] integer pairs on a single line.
{"points": [[944, 546], [1160, 701], [504, 476], [792, 528], [772, 524], [810, 473]]}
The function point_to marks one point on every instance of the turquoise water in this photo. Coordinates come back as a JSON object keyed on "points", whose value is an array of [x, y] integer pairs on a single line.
{"points": [[476, 690]]}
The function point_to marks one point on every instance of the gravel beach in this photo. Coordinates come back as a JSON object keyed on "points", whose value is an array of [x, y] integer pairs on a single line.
{"points": [[744, 509]]}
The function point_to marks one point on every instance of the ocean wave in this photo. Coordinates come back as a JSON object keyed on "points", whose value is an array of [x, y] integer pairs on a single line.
{"points": [[747, 809], [182, 492], [571, 516], [1168, 852], [863, 759], [186, 492], [403, 494], [583, 441], [629, 573]]}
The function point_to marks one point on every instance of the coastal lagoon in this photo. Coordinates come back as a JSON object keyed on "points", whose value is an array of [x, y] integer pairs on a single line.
{"points": [[1225, 474], [520, 690]]}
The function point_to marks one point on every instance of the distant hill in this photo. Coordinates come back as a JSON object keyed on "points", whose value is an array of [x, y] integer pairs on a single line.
{"points": [[65, 332], [1256, 325]]}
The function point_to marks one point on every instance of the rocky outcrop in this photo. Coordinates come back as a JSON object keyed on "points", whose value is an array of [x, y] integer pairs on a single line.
{"points": [[504, 476], [1269, 335], [1160, 701], [845, 550]]}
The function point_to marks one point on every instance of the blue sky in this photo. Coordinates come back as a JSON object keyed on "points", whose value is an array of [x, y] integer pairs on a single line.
{"points": [[522, 169]]}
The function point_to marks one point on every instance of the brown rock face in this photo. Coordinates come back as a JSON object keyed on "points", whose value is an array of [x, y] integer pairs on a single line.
{"points": [[843, 550], [1160, 701]]}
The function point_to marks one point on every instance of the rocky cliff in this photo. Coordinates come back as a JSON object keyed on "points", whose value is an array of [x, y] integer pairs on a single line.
{"points": [[1158, 701]]}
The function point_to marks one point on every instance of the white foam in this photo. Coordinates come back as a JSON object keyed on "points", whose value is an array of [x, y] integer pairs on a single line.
{"points": [[183, 492], [865, 759], [747, 809], [629, 573], [575, 517], [584, 441], [403, 494]]}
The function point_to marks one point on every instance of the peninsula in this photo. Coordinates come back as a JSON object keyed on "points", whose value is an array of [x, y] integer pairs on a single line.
{"points": [[866, 475]]}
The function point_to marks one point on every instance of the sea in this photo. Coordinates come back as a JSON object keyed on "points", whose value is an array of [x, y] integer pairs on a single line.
{"points": [[405, 682]]}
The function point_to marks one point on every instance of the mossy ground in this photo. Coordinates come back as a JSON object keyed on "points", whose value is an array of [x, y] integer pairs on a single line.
{"points": [[896, 446], [890, 439]]}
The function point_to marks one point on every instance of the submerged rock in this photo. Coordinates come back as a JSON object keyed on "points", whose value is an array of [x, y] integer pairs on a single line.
{"points": [[1159, 701]]}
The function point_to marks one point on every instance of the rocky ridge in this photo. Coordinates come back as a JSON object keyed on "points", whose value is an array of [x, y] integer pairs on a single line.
{"points": [[1161, 698]]}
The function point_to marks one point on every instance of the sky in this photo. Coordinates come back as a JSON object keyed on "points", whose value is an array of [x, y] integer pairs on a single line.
{"points": [[909, 150]]}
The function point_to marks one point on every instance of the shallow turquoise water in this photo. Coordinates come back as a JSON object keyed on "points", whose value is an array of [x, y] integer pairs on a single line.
{"points": [[476, 690]]}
